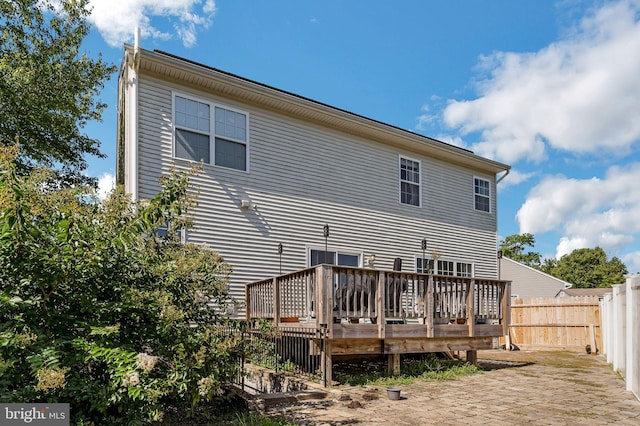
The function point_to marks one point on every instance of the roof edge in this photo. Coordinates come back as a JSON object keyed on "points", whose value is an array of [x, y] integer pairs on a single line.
{"points": [[490, 164]]}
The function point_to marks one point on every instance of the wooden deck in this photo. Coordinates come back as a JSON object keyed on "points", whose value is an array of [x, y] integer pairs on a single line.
{"points": [[366, 311]]}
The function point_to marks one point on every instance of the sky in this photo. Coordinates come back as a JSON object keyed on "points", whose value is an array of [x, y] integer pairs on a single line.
{"points": [[551, 88]]}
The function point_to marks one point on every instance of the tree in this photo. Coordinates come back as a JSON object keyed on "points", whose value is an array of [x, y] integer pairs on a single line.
{"points": [[48, 88], [513, 247], [587, 268], [99, 312]]}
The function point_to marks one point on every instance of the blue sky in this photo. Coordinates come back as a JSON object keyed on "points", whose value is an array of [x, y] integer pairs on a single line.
{"points": [[550, 87]]}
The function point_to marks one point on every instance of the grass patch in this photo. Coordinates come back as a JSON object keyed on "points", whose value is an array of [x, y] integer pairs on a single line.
{"points": [[254, 419], [585, 383], [428, 367], [583, 414]]}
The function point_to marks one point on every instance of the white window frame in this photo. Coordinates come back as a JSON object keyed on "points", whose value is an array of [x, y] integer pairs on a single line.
{"points": [[450, 273], [337, 252], [212, 130], [429, 264], [436, 271], [475, 193], [471, 272], [401, 181]]}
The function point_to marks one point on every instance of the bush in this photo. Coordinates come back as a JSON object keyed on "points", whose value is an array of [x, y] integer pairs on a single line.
{"points": [[98, 311]]}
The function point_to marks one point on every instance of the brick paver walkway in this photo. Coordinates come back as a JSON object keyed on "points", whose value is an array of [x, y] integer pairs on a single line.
{"points": [[545, 388]]}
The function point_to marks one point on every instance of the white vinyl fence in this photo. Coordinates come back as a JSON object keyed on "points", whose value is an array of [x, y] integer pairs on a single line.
{"points": [[621, 330]]}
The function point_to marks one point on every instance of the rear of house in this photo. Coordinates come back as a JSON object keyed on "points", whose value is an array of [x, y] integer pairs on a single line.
{"points": [[278, 167]]}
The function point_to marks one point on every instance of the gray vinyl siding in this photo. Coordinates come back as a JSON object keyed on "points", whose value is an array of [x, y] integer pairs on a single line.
{"points": [[528, 282], [303, 176]]}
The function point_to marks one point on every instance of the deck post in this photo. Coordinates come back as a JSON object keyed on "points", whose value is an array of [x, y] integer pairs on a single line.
{"points": [[471, 315], [327, 363], [380, 298], [247, 303], [276, 301], [506, 308], [324, 296], [472, 357], [429, 305], [393, 364]]}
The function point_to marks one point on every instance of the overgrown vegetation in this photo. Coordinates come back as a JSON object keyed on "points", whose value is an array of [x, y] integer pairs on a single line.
{"points": [[49, 86], [99, 312], [427, 367]]}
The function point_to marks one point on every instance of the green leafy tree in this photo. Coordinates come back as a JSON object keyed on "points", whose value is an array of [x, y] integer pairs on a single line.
{"points": [[48, 88], [587, 268], [98, 311], [513, 247]]}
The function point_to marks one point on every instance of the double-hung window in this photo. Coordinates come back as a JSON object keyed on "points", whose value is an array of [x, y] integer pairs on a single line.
{"points": [[210, 133], [409, 181], [482, 194]]}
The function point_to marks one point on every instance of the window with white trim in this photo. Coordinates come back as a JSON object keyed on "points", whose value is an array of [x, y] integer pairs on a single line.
{"points": [[464, 269], [409, 181], [444, 267], [196, 121], [424, 266], [482, 194], [318, 257]]}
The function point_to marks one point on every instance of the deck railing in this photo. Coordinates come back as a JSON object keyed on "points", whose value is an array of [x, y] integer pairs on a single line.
{"points": [[326, 294]]}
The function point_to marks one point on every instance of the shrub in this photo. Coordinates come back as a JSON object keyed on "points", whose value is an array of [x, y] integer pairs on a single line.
{"points": [[98, 311]]}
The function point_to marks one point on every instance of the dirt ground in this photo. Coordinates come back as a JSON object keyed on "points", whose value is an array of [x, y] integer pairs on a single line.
{"points": [[519, 387]]}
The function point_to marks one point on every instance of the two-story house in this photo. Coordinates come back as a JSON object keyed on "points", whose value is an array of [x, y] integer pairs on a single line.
{"points": [[278, 167]]}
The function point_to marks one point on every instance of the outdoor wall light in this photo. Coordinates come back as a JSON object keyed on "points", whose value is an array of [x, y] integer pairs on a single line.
{"points": [[248, 205], [370, 260]]}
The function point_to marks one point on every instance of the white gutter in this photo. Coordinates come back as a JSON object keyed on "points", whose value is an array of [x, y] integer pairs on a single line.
{"points": [[502, 177]]}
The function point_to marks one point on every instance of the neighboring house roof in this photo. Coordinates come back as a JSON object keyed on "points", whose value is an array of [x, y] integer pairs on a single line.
{"points": [[600, 292], [169, 66], [530, 282]]}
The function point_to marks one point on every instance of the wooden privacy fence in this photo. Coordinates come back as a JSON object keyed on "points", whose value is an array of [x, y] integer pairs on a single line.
{"points": [[548, 323]]}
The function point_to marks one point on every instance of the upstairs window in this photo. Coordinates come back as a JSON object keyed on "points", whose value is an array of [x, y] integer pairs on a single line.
{"points": [[192, 125], [409, 182], [197, 121], [482, 194], [231, 139]]}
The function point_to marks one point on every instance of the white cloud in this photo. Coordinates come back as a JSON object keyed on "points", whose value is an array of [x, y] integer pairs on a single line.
{"points": [[587, 212], [580, 94], [106, 183], [117, 19], [632, 260], [514, 178]]}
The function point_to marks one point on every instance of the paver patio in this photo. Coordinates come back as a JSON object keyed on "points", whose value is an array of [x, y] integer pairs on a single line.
{"points": [[520, 387]]}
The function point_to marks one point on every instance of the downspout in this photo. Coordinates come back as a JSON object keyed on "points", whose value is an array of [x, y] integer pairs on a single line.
{"points": [[503, 176], [499, 252], [133, 118]]}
